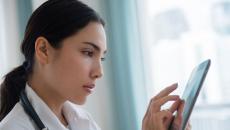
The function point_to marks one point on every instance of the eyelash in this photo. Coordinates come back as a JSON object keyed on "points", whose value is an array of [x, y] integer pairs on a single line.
{"points": [[103, 59], [90, 54]]}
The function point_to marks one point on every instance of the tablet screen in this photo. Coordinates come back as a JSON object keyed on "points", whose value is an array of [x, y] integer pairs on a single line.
{"points": [[192, 89]]}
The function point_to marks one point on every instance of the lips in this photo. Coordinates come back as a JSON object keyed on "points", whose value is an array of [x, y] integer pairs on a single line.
{"points": [[89, 88]]}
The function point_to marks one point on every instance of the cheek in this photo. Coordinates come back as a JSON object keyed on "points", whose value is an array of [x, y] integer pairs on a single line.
{"points": [[71, 72], [67, 75], [73, 68], [75, 73]]}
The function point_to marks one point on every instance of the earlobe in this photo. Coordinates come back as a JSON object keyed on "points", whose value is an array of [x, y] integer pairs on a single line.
{"points": [[41, 50]]}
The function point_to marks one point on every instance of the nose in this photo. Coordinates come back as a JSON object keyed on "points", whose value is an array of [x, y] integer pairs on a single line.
{"points": [[97, 71]]}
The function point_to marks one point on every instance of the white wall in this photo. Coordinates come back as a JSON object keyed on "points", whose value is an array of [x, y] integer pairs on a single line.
{"points": [[2, 40], [9, 43]]}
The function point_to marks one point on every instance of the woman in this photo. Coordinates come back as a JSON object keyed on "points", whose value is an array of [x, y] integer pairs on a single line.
{"points": [[64, 45]]}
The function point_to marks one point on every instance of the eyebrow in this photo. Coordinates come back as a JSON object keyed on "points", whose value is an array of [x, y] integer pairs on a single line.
{"points": [[95, 46]]}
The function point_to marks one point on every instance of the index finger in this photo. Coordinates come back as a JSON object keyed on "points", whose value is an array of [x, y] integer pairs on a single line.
{"points": [[181, 108], [156, 106], [166, 91], [175, 105], [178, 117]]}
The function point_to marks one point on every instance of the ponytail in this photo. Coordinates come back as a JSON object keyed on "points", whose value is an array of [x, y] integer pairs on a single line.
{"points": [[11, 87]]}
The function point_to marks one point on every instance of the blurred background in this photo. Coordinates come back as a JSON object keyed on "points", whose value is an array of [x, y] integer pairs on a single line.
{"points": [[151, 44]]}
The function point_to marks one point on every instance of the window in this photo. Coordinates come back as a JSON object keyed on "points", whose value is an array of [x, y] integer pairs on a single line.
{"points": [[177, 35]]}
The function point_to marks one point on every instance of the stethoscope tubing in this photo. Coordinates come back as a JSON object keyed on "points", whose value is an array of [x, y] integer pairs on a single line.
{"points": [[28, 108]]}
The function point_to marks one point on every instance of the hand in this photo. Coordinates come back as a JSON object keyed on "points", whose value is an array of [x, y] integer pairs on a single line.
{"points": [[188, 127], [178, 119], [176, 125], [157, 119]]}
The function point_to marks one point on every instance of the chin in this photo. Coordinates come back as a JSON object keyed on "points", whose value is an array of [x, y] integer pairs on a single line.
{"points": [[79, 101]]}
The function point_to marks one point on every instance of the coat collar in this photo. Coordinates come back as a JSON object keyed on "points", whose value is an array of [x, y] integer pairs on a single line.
{"points": [[77, 118]]}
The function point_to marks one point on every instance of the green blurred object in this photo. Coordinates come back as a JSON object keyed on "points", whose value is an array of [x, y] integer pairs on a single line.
{"points": [[124, 47], [24, 8]]}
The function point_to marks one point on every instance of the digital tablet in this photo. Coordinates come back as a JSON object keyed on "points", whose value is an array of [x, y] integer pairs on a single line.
{"points": [[192, 90]]}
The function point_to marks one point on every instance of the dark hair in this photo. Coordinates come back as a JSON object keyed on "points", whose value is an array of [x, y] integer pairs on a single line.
{"points": [[55, 20]]}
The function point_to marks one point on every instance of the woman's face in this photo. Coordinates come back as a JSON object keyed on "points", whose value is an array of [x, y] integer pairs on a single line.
{"points": [[75, 67]]}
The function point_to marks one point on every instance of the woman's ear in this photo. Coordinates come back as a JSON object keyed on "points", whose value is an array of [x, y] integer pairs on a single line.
{"points": [[42, 48]]}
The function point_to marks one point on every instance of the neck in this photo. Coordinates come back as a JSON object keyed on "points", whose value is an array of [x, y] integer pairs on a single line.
{"points": [[46, 94]]}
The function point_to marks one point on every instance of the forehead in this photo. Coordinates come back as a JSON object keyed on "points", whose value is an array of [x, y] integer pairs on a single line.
{"points": [[93, 33]]}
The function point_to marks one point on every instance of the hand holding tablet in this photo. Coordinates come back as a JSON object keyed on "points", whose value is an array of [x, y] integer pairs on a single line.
{"points": [[191, 92], [157, 119]]}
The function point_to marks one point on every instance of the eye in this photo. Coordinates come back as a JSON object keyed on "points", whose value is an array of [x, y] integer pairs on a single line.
{"points": [[88, 53], [103, 59]]}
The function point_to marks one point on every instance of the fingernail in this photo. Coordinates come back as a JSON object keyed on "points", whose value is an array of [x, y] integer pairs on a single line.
{"points": [[175, 84]]}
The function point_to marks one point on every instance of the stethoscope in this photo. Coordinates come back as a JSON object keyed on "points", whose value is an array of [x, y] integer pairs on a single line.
{"points": [[28, 108]]}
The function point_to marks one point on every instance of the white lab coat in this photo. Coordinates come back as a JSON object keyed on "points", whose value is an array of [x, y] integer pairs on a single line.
{"points": [[77, 118]]}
